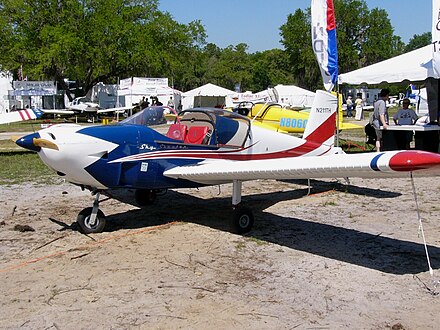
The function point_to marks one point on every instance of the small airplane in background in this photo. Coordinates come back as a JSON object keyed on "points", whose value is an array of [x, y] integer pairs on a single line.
{"points": [[281, 119], [207, 147], [80, 106], [20, 115]]}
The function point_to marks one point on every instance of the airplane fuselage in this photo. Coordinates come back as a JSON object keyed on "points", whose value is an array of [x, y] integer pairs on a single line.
{"points": [[136, 156]]}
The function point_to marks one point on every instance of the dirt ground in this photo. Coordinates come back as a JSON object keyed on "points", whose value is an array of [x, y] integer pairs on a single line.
{"points": [[341, 257]]}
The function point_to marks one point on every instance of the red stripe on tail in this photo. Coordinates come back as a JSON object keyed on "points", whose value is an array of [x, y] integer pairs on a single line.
{"points": [[324, 132]]}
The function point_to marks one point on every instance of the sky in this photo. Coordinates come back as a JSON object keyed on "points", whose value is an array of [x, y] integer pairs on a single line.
{"points": [[257, 22]]}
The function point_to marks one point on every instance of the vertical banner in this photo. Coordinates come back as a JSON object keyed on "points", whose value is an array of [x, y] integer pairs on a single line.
{"points": [[436, 37], [324, 41]]}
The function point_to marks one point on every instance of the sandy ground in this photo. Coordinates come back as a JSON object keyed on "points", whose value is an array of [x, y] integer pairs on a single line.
{"points": [[342, 257]]}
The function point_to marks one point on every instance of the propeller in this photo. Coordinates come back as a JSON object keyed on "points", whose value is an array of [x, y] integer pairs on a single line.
{"points": [[43, 143], [34, 142]]}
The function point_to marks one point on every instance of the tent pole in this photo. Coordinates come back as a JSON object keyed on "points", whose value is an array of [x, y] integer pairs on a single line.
{"points": [[337, 115]]}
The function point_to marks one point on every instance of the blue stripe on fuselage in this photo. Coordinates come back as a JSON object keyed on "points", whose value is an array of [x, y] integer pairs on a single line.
{"points": [[130, 139], [373, 163]]}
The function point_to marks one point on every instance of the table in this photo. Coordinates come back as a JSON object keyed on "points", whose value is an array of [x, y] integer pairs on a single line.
{"points": [[426, 137]]}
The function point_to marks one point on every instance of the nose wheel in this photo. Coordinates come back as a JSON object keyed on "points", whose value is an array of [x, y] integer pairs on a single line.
{"points": [[91, 219]]}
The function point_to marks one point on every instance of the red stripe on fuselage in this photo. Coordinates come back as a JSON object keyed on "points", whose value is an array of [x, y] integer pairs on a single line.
{"points": [[301, 150]]}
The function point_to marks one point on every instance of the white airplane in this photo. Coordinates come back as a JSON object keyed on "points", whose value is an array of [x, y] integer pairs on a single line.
{"points": [[208, 147], [77, 106]]}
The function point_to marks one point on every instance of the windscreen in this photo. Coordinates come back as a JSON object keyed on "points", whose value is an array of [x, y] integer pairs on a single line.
{"points": [[149, 116]]}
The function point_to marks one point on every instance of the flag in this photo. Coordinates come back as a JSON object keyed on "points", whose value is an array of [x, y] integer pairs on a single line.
{"points": [[436, 37], [324, 41]]}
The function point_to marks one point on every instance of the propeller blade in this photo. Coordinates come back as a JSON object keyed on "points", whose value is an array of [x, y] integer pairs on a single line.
{"points": [[43, 143]]}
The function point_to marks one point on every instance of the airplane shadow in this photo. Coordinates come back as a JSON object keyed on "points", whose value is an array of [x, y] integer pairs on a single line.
{"points": [[377, 252], [348, 188]]}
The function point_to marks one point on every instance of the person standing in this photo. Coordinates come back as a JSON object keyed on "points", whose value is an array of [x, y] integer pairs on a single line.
{"points": [[405, 116], [380, 116], [349, 107], [170, 102], [359, 107]]}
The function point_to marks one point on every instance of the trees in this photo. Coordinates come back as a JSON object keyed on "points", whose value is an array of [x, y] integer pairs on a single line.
{"points": [[364, 37], [418, 41], [102, 40], [296, 38], [93, 40]]}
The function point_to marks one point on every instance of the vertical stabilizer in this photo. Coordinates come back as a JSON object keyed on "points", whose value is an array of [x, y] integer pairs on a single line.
{"points": [[322, 120]]}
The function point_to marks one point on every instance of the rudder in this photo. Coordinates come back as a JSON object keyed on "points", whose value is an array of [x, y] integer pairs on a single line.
{"points": [[322, 120]]}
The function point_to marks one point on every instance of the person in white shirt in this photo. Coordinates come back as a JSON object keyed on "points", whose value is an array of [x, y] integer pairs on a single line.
{"points": [[406, 116]]}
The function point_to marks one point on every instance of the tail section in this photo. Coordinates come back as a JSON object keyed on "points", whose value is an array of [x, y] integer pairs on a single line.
{"points": [[322, 120]]}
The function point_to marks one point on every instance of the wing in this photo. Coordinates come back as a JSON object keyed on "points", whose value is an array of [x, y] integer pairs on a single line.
{"points": [[367, 165], [14, 116], [118, 109], [59, 111]]}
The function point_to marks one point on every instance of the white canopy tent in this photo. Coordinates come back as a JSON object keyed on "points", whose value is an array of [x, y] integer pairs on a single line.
{"points": [[294, 96], [136, 88], [208, 95], [414, 66], [5, 86], [287, 95]]}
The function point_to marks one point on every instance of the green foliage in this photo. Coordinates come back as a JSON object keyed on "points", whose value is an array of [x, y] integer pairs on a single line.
{"points": [[418, 41], [364, 37], [93, 40], [89, 41], [296, 38]]}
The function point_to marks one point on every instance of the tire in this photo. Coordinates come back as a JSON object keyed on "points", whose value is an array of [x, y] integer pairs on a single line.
{"points": [[242, 220], [145, 197], [83, 221]]}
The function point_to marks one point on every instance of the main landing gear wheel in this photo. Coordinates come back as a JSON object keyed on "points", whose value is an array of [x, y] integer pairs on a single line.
{"points": [[242, 220], [145, 197], [86, 225]]}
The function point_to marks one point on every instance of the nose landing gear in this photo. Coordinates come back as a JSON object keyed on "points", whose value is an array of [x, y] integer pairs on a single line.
{"points": [[91, 219]]}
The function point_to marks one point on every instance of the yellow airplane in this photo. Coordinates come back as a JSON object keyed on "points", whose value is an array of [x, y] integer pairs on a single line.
{"points": [[283, 120]]}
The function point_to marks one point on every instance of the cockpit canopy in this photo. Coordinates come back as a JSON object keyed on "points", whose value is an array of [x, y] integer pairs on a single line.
{"points": [[207, 126], [149, 116]]}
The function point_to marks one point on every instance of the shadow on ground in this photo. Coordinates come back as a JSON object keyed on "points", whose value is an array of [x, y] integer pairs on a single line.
{"points": [[335, 242]]}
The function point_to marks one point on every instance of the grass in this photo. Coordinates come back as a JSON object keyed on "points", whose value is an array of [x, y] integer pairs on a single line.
{"points": [[8, 145], [23, 126], [24, 166], [35, 125]]}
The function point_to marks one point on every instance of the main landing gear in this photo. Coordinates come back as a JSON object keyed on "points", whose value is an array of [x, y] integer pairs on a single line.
{"points": [[91, 219], [242, 219]]}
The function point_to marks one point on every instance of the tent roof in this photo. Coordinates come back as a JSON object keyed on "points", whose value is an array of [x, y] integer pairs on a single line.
{"points": [[413, 66], [293, 90], [208, 90]]}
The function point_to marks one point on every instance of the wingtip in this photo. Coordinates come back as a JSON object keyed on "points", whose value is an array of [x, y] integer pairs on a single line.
{"points": [[414, 160]]}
